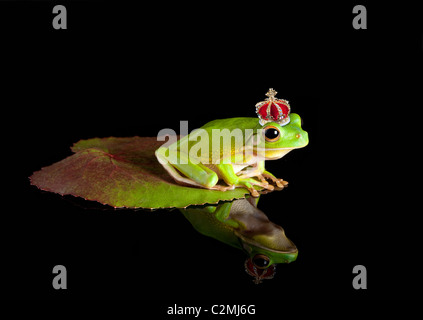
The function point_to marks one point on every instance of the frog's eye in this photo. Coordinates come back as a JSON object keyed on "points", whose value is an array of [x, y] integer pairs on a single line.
{"points": [[261, 261], [271, 134]]}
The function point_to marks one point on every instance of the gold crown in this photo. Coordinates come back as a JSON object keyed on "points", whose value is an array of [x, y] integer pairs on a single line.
{"points": [[273, 109]]}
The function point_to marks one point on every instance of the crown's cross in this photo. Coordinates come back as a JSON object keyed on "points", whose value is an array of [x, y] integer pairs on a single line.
{"points": [[271, 94]]}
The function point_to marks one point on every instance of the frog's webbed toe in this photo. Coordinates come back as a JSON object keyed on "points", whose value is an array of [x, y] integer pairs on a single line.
{"points": [[264, 183], [279, 182], [250, 183], [254, 193]]}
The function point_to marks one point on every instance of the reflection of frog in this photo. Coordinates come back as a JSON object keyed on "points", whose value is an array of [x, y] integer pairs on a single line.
{"points": [[242, 225]]}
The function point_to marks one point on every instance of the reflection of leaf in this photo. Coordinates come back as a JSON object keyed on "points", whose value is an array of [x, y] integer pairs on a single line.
{"points": [[123, 172]]}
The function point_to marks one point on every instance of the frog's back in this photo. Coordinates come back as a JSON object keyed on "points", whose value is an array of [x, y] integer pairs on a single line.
{"points": [[242, 127], [233, 123]]}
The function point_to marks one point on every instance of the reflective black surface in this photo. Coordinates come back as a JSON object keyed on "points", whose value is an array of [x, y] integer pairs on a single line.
{"points": [[348, 202]]}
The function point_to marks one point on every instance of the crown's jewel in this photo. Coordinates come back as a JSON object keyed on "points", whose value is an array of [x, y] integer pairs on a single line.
{"points": [[273, 109]]}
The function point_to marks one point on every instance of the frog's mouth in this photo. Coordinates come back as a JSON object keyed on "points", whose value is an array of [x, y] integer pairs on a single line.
{"points": [[273, 153]]}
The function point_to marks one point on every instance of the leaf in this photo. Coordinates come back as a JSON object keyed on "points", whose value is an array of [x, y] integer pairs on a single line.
{"points": [[123, 172]]}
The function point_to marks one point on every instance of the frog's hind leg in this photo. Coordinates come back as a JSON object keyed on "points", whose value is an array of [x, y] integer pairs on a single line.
{"points": [[178, 178], [160, 155], [193, 174]]}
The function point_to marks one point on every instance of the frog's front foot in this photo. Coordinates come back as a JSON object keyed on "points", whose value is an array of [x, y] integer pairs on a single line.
{"points": [[249, 183], [254, 193], [264, 184], [279, 182]]}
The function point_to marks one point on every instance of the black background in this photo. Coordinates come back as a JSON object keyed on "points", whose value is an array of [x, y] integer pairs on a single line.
{"points": [[132, 69]]}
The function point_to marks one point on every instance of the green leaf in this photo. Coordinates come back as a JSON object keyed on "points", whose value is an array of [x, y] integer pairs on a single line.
{"points": [[123, 172]]}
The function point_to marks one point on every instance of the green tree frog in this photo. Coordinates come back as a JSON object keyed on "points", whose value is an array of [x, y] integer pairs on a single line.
{"points": [[234, 150]]}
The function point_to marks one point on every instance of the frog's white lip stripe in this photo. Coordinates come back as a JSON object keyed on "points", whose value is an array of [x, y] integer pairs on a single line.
{"points": [[274, 149], [259, 245]]}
